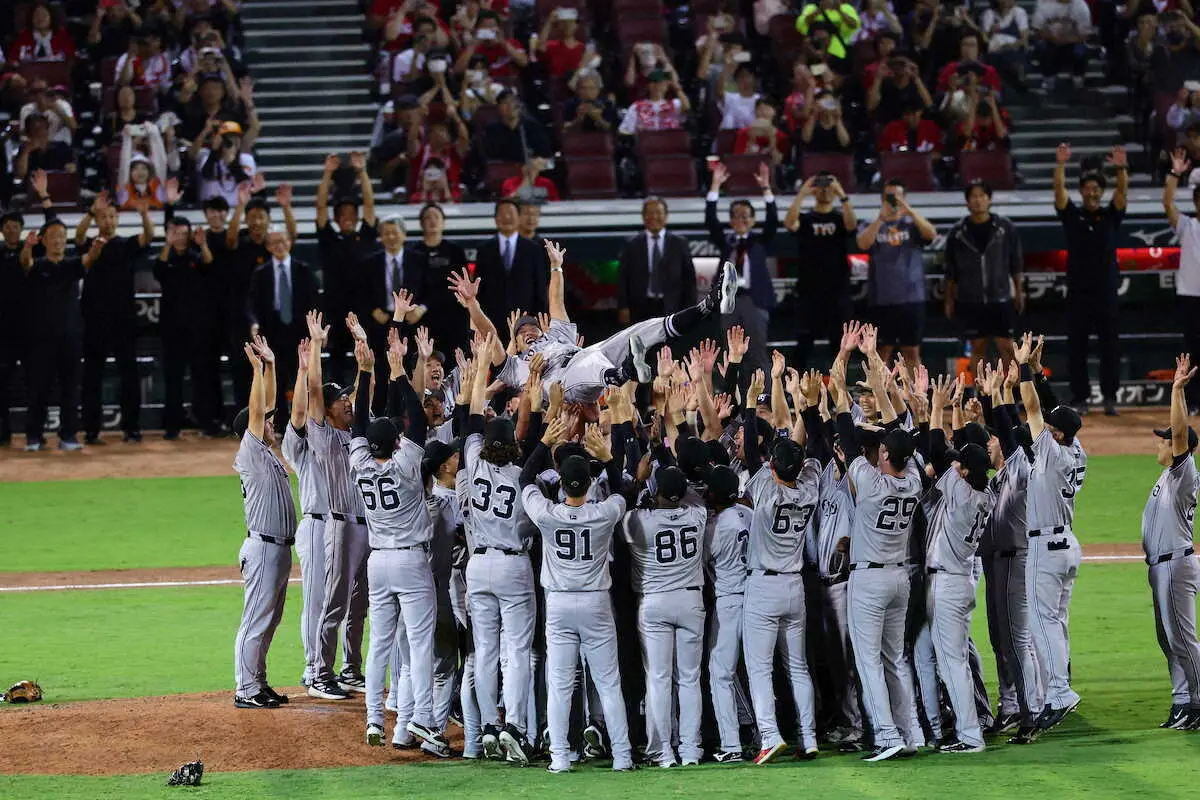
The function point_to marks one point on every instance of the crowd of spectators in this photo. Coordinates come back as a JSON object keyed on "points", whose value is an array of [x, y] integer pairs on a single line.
{"points": [[123, 96]]}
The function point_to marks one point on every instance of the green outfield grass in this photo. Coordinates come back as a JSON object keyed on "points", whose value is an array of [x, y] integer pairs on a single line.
{"points": [[1109, 509]]}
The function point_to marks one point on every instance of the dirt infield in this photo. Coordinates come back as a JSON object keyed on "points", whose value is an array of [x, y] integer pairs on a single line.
{"points": [[157, 734]]}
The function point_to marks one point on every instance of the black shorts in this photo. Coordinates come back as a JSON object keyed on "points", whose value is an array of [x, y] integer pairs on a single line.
{"points": [[901, 325], [985, 320]]}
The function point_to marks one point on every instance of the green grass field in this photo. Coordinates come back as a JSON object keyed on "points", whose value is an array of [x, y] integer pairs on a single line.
{"points": [[108, 643]]}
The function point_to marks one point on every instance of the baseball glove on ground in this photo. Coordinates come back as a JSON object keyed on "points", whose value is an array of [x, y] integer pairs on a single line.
{"points": [[23, 692], [187, 775]]}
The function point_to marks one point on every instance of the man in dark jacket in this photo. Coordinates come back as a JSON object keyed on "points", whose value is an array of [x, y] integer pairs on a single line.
{"points": [[514, 270], [985, 287], [656, 276]]}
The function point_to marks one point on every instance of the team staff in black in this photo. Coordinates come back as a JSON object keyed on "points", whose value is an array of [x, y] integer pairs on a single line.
{"points": [[985, 276], [1093, 275], [343, 244], [110, 313], [184, 269], [55, 342], [387, 270], [514, 271], [432, 259], [655, 276], [823, 234], [217, 291]]}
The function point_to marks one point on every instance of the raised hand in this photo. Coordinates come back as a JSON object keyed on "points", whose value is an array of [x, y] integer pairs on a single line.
{"points": [[39, 182], [283, 195], [252, 356], [556, 397], [1022, 351], [1035, 355], [463, 287], [708, 355], [1118, 157], [763, 177], [956, 395], [941, 391], [358, 161], [757, 383], [724, 405], [403, 303], [973, 410], [424, 344], [778, 364], [1013, 376], [811, 385], [666, 363], [243, 193], [355, 327], [1184, 371], [720, 174], [513, 316], [263, 349], [851, 331], [1062, 154], [332, 162], [921, 381], [302, 354], [101, 202], [258, 182], [317, 331], [695, 368], [791, 381], [397, 350], [867, 338], [1179, 161], [596, 444], [556, 432], [364, 357], [738, 343], [543, 321], [555, 253], [31, 240], [173, 194]]}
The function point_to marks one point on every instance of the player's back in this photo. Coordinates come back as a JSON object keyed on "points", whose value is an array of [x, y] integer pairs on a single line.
{"points": [[957, 524], [667, 546], [1009, 486], [835, 516], [314, 493], [1170, 513], [726, 538], [393, 495], [576, 541], [1054, 481], [884, 506], [266, 491], [495, 498], [781, 518]]}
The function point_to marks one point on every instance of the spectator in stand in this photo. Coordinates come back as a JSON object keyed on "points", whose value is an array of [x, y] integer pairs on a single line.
{"points": [[968, 86], [432, 260], [505, 56], [938, 28], [222, 163], [125, 114], [389, 142], [400, 19], [985, 127], [446, 141], [1177, 57], [145, 64], [41, 41], [799, 104], [561, 51], [877, 17], [531, 186], [898, 86], [206, 41], [954, 74], [711, 45], [433, 184], [208, 96], [738, 108], [1139, 52], [221, 14], [588, 110], [655, 274], [531, 217], [1061, 28], [1005, 28], [646, 58], [142, 176], [113, 27], [896, 276], [513, 272], [761, 136], [825, 131], [842, 21], [656, 112], [514, 137], [478, 88], [818, 50], [51, 103], [1185, 111], [913, 133], [410, 63], [37, 152], [886, 44]]}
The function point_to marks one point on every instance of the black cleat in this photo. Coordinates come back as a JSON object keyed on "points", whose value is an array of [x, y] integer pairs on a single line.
{"points": [[260, 700], [491, 743], [281, 699], [515, 746], [1026, 734], [1176, 719], [1003, 724], [327, 690]]}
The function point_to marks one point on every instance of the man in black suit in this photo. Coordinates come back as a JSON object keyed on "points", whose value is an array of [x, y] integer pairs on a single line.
{"points": [[748, 252], [282, 291], [514, 270], [383, 272], [655, 276]]}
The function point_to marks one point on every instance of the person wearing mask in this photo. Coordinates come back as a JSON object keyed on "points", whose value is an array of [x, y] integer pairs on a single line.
{"points": [[655, 274], [433, 260], [1093, 275], [343, 242], [984, 289], [110, 314], [823, 282], [655, 112], [514, 272]]}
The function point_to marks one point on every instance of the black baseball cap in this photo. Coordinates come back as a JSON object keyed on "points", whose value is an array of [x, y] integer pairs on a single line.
{"points": [[566, 450], [1065, 419], [1165, 433], [692, 455], [869, 435], [437, 453], [527, 319], [974, 458], [974, 433], [787, 458], [764, 399], [899, 443], [575, 475], [671, 483], [332, 391], [381, 436], [499, 429], [723, 485], [717, 453], [242, 421]]}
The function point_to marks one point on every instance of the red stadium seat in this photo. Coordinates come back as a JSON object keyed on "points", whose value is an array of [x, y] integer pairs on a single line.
{"points": [[652, 144], [991, 166], [915, 169], [670, 176], [633, 30], [63, 188], [108, 71], [637, 8], [839, 165], [742, 173], [725, 141], [587, 144], [54, 73], [498, 172], [484, 115], [591, 178]]}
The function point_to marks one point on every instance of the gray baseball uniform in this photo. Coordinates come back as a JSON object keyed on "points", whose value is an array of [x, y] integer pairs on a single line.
{"points": [[265, 559], [726, 536], [667, 545], [1054, 555], [955, 528], [346, 551], [403, 600], [773, 611], [310, 540], [877, 598], [1175, 575], [500, 587], [472, 723], [576, 541]]}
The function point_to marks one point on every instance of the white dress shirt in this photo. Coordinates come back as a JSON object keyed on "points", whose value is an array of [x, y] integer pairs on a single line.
{"points": [[1187, 279]]}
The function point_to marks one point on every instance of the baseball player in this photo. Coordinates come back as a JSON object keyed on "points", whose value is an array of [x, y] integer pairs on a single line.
{"points": [[785, 500], [500, 589], [667, 544], [266, 556], [577, 537], [585, 372], [1167, 541], [314, 507], [1055, 479], [885, 500], [386, 468], [725, 538], [330, 415]]}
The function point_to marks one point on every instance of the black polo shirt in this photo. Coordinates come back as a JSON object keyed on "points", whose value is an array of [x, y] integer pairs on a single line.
{"points": [[52, 298], [108, 287], [241, 263], [185, 299], [822, 241], [1091, 249], [341, 258], [12, 289]]}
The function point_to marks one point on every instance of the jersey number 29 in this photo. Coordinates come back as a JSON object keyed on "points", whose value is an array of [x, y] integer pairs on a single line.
{"points": [[895, 514]]}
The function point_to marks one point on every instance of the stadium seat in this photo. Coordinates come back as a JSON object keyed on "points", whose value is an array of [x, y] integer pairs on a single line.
{"points": [[63, 188], [54, 73], [839, 165], [724, 143], [652, 144], [587, 144], [484, 115], [108, 71], [669, 176], [634, 30], [915, 169], [991, 166], [498, 172], [637, 8], [742, 172], [591, 178]]}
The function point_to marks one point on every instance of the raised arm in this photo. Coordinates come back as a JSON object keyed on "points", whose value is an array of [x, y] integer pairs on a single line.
{"points": [[479, 388], [268, 358], [257, 422], [332, 162], [283, 199], [558, 306], [318, 333], [1179, 168], [466, 291], [1061, 156], [1184, 372], [359, 162], [1029, 395], [362, 389], [235, 224], [781, 419]]}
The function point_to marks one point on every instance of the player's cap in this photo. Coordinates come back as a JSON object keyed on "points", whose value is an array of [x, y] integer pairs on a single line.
{"points": [[527, 319], [862, 387], [671, 483], [437, 453], [566, 450], [722, 484], [332, 391], [1165, 433], [870, 435], [575, 475], [974, 458], [438, 356], [974, 433], [717, 453], [899, 443], [764, 399], [1065, 419], [381, 436], [692, 455], [787, 458], [241, 422], [435, 394], [499, 430]]}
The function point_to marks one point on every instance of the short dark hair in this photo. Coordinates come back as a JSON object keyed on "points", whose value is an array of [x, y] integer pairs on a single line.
{"points": [[764, 101], [978, 183], [505, 95], [259, 204], [50, 223], [736, 203], [506, 201], [654, 199], [969, 34], [744, 68], [12, 216], [430, 207], [216, 203], [419, 21], [897, 182], [1095, 177], [177, 221]]}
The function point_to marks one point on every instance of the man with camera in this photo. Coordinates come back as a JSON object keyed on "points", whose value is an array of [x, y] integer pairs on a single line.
{"points": [[514, 138], [50, 103], [954, 74], [505, 56]]}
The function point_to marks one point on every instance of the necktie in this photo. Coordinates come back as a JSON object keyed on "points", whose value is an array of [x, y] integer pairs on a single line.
{"points": [[285, 297], [656, 287], [740, 256], [506, 254], [397, 277]]}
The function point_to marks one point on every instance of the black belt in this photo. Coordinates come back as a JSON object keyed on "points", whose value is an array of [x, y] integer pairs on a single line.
{"points": [[345, 518], [693, 588], [875, 565], [422, 546], [481, 550], [1058, 530], [835, 580], [317, 517], [1007, 553], [1165, 557], [271, 539], [750, 572]]}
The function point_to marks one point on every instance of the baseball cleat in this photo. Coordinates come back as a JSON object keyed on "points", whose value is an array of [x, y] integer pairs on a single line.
{"points": [[425, 734], [637, 349], [1026, 734], [514, 744], [276, 696], [690, 762], [624, 765], [70, 445], [1176, 719], [908, 752], [806, 753], [728, 288], [668, 764], [491, 742], [441, 750], [851, 746], [1052, 718], [456, 718], [593, 742], [727, 757], [33, 447], [306, 681], [375, 735], [1003, 724], [402, 739], [559, 767], [882, 753], [327, 690], [350, 680], [1192, 721], [767, 753], [260, 700], [961, 747]]}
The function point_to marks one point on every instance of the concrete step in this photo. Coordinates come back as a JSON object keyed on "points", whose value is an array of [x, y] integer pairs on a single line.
{"points": [[301, 69], [1051, 138], [265, 13], [329, 83], [272, 123], [326, 139], [304, 112], [305, 52], [1035, 155], [281, 96], [300, 152]]}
